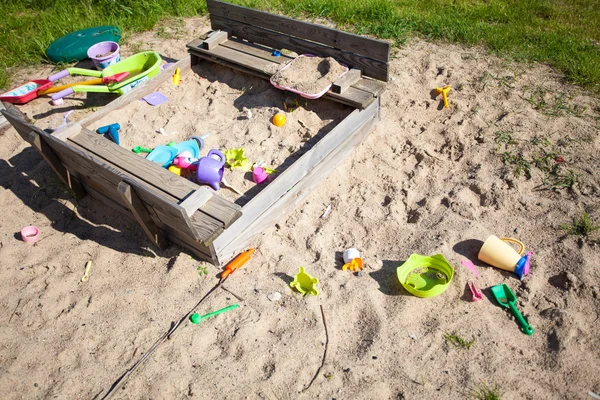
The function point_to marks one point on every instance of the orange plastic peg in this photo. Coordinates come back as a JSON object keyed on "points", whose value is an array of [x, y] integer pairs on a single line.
{"points": [[444, 92], [237, 263]]}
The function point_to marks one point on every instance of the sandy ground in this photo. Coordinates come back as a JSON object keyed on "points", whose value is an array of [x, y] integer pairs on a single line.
{"points": [[427, 180]]}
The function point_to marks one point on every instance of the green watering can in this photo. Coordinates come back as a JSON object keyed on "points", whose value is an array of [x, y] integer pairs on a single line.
{"points": [[506, 298]]}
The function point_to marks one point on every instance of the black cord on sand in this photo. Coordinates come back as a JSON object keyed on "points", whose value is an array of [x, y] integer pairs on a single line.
{"points": [[167, 335], [324, 353]]}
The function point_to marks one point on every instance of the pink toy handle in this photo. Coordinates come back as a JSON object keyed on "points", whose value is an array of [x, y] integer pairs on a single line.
{"points": [[468, 264], [63, 93], [58, 75], [217, 153]]}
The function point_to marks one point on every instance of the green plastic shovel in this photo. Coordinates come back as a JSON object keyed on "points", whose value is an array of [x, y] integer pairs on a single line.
{"points": [[506, 298]]}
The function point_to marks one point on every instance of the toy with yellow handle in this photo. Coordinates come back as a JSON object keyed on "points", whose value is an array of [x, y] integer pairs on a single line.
{"points": [[98, 81], [498, 253], [444, 92]]}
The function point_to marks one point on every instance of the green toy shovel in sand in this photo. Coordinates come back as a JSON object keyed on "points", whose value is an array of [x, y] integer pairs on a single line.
{"points": [[506, 298]]}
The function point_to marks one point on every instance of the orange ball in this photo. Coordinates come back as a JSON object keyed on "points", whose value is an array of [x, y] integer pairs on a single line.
{"points": [[279, 120]]}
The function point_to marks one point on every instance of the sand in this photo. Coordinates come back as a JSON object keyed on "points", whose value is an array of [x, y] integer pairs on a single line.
{"points": [[310, 75], [427, 180]]}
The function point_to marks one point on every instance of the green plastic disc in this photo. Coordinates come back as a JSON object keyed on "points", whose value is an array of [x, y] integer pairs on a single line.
{"points": [[74, 46]]}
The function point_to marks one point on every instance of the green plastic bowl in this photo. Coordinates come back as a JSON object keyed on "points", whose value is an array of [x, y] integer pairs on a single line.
{"points": [[425, 276]]}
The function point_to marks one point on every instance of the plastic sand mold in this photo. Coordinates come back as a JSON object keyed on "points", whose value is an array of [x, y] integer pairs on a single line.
{"points": [[306, 95], [425, 276], [237, 159], [304, 283]]}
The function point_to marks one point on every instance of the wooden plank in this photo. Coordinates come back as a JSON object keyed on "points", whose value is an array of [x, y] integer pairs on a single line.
{"points": [[353, 97], [4, 124], [376, 49], [293, 174], [370, 67], [93, 167], [223, 211], [370, 85], [257, 64], [215, 38], [294, 197], [142, 216], [51, 158], [140, 91], [194, 201], [72, 128], [347, 80], [256, 50]]}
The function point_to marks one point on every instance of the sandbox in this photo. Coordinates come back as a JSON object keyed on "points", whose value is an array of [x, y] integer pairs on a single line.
{"points": [[317, 137]]}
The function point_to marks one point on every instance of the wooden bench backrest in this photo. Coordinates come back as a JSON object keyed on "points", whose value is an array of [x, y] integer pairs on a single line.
{"points": [[369, 55]]}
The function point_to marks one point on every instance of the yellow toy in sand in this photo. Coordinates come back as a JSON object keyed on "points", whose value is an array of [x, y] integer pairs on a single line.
{"points": [[444, 92]]}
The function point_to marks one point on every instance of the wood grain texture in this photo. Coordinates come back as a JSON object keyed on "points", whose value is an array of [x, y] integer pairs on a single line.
{"points": [[370, 67], [146, 171], [297, 172], [260, 68], [140, 91], [345, 81], [215, 38], [376, 49], [294, 197], [195, 200], [72, 128], [139, 211]]}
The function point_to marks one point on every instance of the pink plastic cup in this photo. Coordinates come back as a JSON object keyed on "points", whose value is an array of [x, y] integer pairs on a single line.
{"points": [[30, 234], [259, 175]]}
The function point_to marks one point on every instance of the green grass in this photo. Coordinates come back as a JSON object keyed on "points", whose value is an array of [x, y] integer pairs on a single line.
{"points": [[485, 392], [563, 33], [582, 226], [457, 341]]}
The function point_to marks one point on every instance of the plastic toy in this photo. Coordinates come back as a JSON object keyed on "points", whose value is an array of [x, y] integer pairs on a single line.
{"points": [[176, 170], [279, 120], [355, 265], [141, 67], [155, 99], [185, 160], [237, 263], [74, 46], [425, 276], [162, 155], [196, 318], [104, 54], [26, 92], [468, 264], [306, 95], [30, 234], [304, 283], [276, 53], [86, 274], [210, 169], [140, 149], [496, 252], [259, 175], [444, 92], [476, 294], [506, 298], [112, 131], [237, 159], [177, 77], [116, 78]]}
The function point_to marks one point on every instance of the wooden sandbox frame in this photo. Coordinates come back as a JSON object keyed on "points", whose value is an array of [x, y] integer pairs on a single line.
{"points": [[171, 208]]}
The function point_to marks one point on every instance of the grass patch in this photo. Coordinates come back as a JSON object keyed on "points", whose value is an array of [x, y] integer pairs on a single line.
{"points": [[537, 154], [457, 341], [485, 392], [563, 33], [582, 226]]}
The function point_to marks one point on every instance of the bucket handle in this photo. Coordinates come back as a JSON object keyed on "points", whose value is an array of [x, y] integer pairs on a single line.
{"points": [[517, 242]]}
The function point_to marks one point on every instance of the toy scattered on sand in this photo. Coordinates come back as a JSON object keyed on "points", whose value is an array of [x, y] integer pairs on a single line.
{"points": [[304, 283], [259, 175], [475, 293], [196, 318], [210, 169], [352, 260], [496, 252], [425, 276], [507, 299], [30, 234], [444, 92], [237, 263], [112, 131], [177, 77], [278, 120]]}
